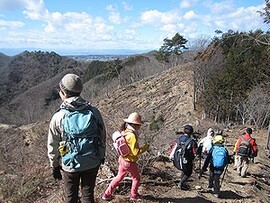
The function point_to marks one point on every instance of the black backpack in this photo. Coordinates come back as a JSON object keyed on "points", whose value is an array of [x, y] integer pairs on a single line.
{"points": [[182, 155], [244, 148]]}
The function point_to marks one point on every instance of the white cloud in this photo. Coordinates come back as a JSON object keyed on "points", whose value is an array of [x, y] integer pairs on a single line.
{"points": [[190, 15], [11, 24], [115, 17], [188, 3], [157, 17], [126, 6], [35, 10], [83, 30], [221, 7], [240, 19], [170, 28], [126, 35], [110, 8], [185, 4]]}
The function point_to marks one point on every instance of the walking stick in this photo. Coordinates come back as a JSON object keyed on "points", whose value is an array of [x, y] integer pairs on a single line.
{"points": [[223, 174], [200, 160]]}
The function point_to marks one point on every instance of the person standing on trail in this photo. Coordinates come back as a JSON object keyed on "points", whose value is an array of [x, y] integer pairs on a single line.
{"points": [[218, 158], [128, 163], [206, 142], [76, 141], [245, 148], [183, 154]]}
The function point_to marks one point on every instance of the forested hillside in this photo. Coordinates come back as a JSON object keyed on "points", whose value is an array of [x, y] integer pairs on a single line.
{"points": [[232, 78]]}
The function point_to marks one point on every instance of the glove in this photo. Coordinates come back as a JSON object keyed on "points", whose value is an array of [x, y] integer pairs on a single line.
{"points": [[144, 148], [57, 173]]}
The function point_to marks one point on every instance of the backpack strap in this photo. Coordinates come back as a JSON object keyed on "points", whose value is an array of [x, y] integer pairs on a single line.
{"points": [[124, 135], [249, 139], [186, 143]]}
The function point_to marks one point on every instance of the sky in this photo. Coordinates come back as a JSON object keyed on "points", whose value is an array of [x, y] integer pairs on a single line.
{"points": [[81, 26]]}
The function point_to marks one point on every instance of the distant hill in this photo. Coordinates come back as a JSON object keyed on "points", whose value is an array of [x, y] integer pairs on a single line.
{"points": [[29, 86], [26, 70], [4, 60]]}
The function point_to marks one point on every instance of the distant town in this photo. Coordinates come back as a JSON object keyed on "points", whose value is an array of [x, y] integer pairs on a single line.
{"points": [[97, 57]]}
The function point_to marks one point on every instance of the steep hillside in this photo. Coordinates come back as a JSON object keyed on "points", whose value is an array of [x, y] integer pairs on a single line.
{"points": [[166, 103], [29, 88], [165, 99], [29, 69], [4, 60]]}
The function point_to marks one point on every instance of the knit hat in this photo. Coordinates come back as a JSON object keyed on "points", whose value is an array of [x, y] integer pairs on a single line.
{"points": [[249, 131], [134, 118], [71, 84], [188, 129], [218, 139]]}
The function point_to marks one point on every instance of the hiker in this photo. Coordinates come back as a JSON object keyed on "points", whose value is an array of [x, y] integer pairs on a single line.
{"points": [[218, 158], [245, 148], [183, 154], [237, 157], [128, 164], [76, 149], [206, 142]]}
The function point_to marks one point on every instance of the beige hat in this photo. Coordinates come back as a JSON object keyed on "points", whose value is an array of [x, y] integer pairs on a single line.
{"points": [[134, 118], [71, 84]]}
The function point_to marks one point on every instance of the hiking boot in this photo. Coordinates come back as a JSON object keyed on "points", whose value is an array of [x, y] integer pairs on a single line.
{"points": [[106, 198], [184, 187]]}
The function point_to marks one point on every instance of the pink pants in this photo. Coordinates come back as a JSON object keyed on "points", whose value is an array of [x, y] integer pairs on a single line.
{"points": [[124, 168]]}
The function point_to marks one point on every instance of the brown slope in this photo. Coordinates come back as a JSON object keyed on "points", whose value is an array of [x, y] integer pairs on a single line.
{"points": [[168, 95]]}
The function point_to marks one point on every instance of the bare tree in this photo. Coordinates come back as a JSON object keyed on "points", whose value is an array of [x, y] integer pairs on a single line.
{"points": [[200, 44], [265, 13], [255, 110]]}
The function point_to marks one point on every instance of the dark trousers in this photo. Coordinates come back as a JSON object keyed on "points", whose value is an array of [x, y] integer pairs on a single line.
{"points": [[214, 180], [72, 181], [186, 173]]}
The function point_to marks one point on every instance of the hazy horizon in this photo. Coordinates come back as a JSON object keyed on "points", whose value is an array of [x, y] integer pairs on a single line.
{"points": [[16, 51]]}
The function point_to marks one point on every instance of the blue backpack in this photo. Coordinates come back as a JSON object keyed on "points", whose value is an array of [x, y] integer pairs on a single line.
{"points": [[82, 139], [219, 157]]}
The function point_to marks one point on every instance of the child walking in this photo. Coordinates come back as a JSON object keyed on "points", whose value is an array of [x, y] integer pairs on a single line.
{"points": [[218, 158], [128, 164]]}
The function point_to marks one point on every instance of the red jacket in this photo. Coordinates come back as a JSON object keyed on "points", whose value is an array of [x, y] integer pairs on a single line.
{"points": [[246, 137]]}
